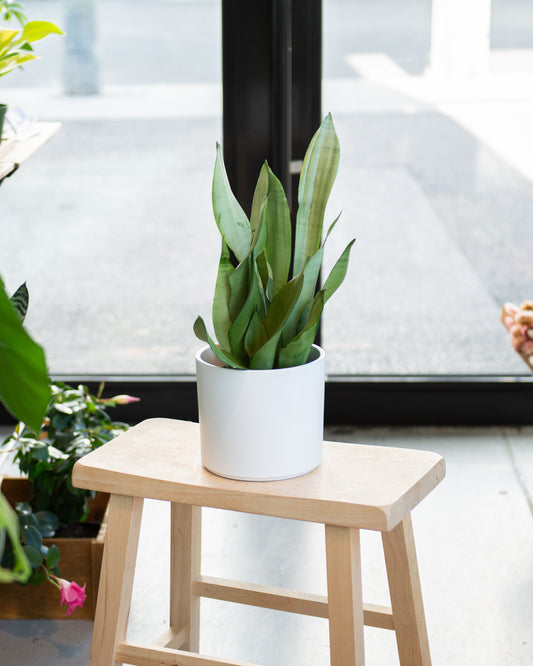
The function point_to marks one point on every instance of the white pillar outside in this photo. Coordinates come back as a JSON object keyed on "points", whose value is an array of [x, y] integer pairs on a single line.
{"points": [[460, 38]]}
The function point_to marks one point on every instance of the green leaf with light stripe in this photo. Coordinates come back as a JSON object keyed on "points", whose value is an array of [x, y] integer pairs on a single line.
{"points": [[230, 217], [297, 351], [221, 315], [338, 273], [279, 233], [316, 180]]}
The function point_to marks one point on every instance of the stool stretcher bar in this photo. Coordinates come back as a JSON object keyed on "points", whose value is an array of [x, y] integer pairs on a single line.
{"points": [[145, 655], [277, 598]]}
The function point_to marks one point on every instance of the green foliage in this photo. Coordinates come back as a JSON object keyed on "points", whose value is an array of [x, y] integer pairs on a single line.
{"points": [[12, 11], [14, 563], [15, 45], [264, 317], [34, 527], [76, 422], [24, 383]]}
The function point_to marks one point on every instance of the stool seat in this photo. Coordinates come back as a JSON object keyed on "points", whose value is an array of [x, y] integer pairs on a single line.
{"points": [[369, 487], [356, 487]]}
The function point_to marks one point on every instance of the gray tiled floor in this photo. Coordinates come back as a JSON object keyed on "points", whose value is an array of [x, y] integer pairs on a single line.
{"points": [[475, 548]]}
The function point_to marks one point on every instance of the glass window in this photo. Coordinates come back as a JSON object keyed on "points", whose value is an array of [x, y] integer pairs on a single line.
{"points": [[432, 103], [110, 223]]}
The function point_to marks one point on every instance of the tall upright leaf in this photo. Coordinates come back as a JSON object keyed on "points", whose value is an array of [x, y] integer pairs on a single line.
{"points": [[230, 217], [297, 351], [256, 335], [237, 331], [279, 232], [316, 180], [241, 278], [338, 273], [221, 314], [259, 196], [282, 305]]}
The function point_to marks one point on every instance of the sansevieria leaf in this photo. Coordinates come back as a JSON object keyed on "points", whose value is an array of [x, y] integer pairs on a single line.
{"points": [[259, 196], [221, 315], [256, 335], [297, 351], [265, 357], [316, 180], [230, 217], [282, 305], [279, 233], [200, 331], [262, 318], [338, 273], [239, 326], [277, 314]]}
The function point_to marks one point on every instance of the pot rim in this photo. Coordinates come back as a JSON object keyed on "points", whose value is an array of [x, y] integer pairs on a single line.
{"points": [[321, 355]]}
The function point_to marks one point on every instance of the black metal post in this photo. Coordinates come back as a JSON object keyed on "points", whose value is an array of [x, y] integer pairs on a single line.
{"points": [[271, 72]]}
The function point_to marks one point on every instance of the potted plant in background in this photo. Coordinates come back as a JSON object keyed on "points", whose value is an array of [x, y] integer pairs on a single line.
{"points": [[261, 382], [60, 424], [16, 44], [61, 526]]}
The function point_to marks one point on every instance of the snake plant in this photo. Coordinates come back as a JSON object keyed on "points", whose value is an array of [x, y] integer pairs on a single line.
{"points": [[265, 315]]}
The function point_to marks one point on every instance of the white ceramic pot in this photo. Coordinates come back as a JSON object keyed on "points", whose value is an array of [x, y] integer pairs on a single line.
{"points": [[261, 425]]}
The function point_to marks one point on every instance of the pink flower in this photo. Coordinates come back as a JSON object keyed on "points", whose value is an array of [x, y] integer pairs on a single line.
{"points": [[71, 594], [121, 399]]}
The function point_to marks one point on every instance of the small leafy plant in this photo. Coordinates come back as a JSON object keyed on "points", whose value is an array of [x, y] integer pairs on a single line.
{"points": [[76, 422], [263, 316]]}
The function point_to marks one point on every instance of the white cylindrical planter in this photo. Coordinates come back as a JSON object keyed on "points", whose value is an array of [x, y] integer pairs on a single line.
{"points": [[261, 425]]}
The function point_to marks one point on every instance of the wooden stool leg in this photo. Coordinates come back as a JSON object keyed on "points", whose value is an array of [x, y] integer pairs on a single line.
{"points": [[185, 562], [345, 598], [406, 595], [116, 579]]}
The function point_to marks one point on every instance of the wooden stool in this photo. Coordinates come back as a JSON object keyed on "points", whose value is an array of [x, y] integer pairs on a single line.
{"points": [[356, 487]]}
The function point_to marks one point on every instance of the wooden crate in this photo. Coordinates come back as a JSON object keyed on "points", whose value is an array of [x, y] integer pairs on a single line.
{"points": [[81, 561]]}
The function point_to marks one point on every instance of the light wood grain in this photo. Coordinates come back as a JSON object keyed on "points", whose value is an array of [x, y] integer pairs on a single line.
{"points": [[185, 558], [356, 486], [345, 596], [406, 595], [170, 639], [368, 487], [118, 567], [143, 655], [276, 598]]}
